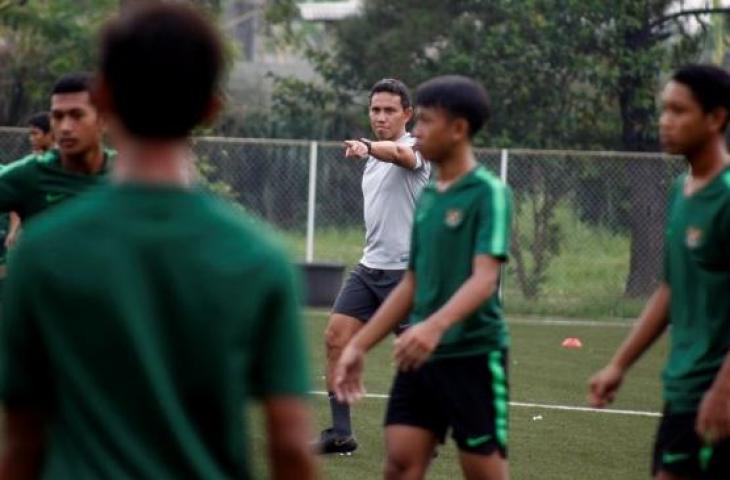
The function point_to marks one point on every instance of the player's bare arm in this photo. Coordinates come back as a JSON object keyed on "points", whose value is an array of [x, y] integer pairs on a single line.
{"points": [[348, 373], [384, 151], [713, 418], [417, 344], [23, 444], [14, 230], [651, 324], [289, 430]]}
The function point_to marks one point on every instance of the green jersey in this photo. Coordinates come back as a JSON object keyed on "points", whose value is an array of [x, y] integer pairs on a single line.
{"points": [[39, 181], [144, 318], [697, 270], [470, 218]]}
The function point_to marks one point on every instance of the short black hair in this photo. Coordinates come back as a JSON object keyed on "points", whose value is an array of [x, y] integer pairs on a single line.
{"points": [[73, 83], [459, 96], [710, 85], [162, 63], [41, 121], [396, 87]]}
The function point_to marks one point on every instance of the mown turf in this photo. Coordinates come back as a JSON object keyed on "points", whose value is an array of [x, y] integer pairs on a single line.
{"points": [[544, 444]]}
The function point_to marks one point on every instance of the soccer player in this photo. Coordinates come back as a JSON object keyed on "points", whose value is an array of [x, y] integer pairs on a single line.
{"points": [[41, 140], [40, 135], [132, 337], [452, 360], [42, 180], [693, 440], [394, 177]]}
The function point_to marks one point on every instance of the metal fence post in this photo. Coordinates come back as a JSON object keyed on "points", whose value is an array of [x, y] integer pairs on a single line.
{"points": [[311, 201], [503, 169]]}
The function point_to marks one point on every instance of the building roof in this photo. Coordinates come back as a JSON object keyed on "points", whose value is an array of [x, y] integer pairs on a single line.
{"points": [[329, 11]]}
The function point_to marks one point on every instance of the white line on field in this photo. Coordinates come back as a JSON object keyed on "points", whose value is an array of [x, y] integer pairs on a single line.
{"points": [[638, 413], [571, 323], [566, 322]]}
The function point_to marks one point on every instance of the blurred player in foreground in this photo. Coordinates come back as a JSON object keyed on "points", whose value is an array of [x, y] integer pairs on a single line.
{"points": [[132, 337], [693, 440], [452, 359]]}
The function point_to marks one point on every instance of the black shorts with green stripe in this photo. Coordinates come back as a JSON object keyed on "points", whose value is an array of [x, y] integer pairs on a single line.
{"points": [[467, 395], [680, 451]]}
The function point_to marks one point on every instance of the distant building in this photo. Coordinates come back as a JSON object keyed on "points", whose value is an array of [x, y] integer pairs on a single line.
{"points": [[250, 81]]}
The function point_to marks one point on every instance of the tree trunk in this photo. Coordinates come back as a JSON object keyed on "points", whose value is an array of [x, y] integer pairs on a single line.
{"points": [[647, 191]]}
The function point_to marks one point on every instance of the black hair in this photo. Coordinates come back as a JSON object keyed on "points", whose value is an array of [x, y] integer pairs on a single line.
{"points": [[73, 83], [396, 87], [710, 85], [459, 96], [162, 64], [41, 121]]}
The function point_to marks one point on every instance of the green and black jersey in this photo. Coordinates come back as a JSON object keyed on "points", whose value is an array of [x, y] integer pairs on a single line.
{"points": [[145, 318], [697, 270], [39, 181], [451, 227]]}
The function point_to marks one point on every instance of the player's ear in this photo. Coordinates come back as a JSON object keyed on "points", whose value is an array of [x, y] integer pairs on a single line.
{"points": [[101, 96], [460, 128], [719, 118], [409, 114], [215, 105]]}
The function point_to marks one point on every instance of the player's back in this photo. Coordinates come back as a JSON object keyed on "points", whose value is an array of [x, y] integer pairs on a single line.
{"points": [[157, 311]]}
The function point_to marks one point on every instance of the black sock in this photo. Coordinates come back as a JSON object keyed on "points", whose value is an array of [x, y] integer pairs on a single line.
{"points": [[340, 416]]}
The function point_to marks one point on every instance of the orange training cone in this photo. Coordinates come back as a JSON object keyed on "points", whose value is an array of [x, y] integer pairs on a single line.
{"points": [[572, 342]]}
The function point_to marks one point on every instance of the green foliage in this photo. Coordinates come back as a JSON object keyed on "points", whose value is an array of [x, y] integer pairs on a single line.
{"points": [[43, 40]]}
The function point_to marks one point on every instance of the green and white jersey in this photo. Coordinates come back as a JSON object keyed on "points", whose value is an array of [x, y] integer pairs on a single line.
{"points": [[38, 182], [697, 269], [145, 319], [470, 218]]}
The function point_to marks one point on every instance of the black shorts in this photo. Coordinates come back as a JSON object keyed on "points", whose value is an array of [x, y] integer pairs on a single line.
{"points": [[469, 395], [365, 290], [680, 451]]}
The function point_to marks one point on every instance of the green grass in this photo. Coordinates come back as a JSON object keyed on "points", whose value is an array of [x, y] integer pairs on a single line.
{"points": [[561, 445], [585, 280]]}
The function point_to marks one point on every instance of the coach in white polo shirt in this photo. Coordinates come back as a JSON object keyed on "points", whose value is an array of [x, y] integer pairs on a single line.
{"points": [[393, 178]]}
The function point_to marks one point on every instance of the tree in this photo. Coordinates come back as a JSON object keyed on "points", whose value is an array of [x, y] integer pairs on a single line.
{"points": [[564, 74], [43, 40]]}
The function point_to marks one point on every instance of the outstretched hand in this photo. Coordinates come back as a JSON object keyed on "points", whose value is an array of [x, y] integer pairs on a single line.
{"points": [[355, 149]]}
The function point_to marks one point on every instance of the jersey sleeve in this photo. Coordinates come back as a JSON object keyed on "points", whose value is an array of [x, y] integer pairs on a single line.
{"points": [[494, 222], [13, 186], [280, 363], [24, 370]]}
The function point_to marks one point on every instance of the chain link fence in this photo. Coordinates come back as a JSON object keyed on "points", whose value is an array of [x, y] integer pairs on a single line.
{"points": [[587, 233]]}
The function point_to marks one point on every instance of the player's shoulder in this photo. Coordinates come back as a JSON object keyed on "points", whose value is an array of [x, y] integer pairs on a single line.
{"points": [[29, 162], [488, 183]]}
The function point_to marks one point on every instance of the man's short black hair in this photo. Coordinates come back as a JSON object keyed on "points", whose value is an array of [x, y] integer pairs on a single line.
{"points": [[162, 63], [41, 121], [73, 83], [460, 97], [396, 87], [710, 85]]}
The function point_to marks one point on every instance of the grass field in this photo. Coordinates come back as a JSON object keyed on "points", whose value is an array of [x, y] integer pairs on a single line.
{"points": [[545, 444], [585, 280]]}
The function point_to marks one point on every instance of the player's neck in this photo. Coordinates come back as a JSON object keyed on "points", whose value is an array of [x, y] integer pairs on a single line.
{"points": [[89, 162], [709, 160], [459, 163], [162, 163]]}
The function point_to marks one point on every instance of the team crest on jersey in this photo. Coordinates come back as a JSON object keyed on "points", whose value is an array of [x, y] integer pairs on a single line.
{"points": [[694, 237], [454, 217]]}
